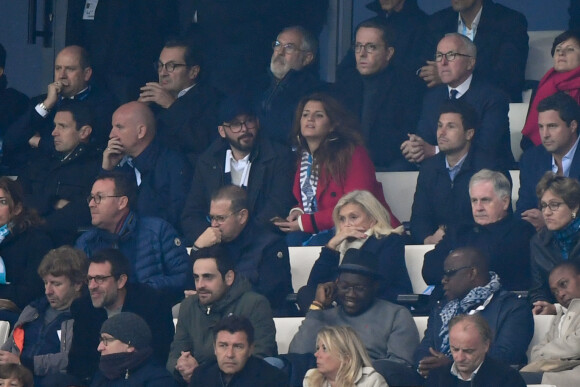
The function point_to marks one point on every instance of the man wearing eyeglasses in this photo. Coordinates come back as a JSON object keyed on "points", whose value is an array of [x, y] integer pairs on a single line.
{"points": [[455, 59], [382, 97], [471, 288], [242, 157], [185, 106], [387, 330]]}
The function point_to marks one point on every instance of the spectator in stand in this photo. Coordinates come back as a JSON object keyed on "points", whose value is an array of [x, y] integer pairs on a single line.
{"points": [[13, 102], [22, 247], [564, 76], [15, 375], [361, 222], [332, 162]]}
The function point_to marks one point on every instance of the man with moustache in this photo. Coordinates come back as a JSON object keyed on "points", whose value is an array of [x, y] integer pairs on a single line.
{"points": [[242, 157], [110, 293]]}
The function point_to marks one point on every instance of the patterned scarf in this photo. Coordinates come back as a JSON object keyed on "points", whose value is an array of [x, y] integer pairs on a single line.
{"points": [[308, 183], [567, 237], [455, 307]]}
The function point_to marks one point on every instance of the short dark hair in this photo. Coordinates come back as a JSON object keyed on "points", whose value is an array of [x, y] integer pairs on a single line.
{"points": [[2, 56], [476, 257], [221, 256], [125, 184], [237, 195], [469, 116], [80, 111], [66, 260], [480, 323], [573, 265], [119, 263], [566, 106], [233, 324], [192, 55], [387, 34], [570, 34]]}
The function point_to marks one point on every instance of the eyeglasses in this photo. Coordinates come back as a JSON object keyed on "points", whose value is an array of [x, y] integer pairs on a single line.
{"points": [[290, 48], [169, 66], [345, 287], [98, 197], [451, 272], [236, 126], [564, 51], [220, 219], [553, 206], [369, 47], [99, 279], [107, 340], [450, 56]]}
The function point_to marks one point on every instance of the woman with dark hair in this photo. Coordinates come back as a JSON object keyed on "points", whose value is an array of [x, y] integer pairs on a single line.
{"points": [[332, 162], [564, 76], [22, 247], [558, 240]]}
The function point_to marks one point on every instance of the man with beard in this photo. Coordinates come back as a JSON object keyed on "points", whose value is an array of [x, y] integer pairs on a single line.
{"points": [[240, 157]]}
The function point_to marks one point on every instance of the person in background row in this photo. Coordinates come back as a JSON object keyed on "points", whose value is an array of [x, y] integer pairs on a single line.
{"points": [[13, 102], [15, 375]]}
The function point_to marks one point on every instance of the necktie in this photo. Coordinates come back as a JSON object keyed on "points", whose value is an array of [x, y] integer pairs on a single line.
{"points": [[453, 94]]}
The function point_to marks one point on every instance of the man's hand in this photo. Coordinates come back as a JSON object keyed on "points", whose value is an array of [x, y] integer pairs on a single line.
{"points": [[415, 149], [186, 364], [8, 358], [210, 237], [34, 141], [534, 216], [325, 293], [54, 90], [153, 92], [543, 307], [431, 362], [60, 204], [430, 74], [436, 237], [113, 154]]}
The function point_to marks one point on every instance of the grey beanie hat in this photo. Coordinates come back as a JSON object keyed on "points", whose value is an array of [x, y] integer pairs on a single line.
{"points": [[129, 328]]}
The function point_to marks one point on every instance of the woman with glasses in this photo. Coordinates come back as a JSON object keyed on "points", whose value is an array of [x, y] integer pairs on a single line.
{"points": [[361, 222], [341, 361], [331, 162], [559, 240], [22, 246], [564, 76]]}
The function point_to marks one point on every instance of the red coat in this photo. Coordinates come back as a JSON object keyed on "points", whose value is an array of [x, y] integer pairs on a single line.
{"points": [[360, 175]]}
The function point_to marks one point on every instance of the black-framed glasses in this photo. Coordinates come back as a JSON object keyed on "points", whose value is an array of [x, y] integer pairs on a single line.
{"points": [[220, 219], [450, 56], [98, 197], [236, 126], [345, 287], [169, 66], [553, 206], [451, 272], [99, 279], [369, 47], [290, 48]]}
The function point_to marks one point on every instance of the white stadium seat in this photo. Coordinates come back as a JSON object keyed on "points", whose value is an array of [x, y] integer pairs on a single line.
{"points": [[301, 261], [517, 116], [539, 57]]}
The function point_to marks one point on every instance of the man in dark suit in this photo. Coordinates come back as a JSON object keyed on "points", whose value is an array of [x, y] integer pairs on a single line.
{"points": [[385, 101], [500, 34], [13, 102], [558, 118], [456, 62]]}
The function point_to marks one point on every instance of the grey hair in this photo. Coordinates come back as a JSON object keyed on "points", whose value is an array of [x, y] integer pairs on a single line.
{"points": [[501, 185], [468, 45], [309, 41]]}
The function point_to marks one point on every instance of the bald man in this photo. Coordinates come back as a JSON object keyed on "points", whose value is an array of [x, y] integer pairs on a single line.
{"points": [[30, 137], [162, 175]]}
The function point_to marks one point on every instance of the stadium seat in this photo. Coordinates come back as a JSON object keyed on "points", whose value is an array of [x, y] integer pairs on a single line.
{"points": [[399, 189], [301, 261], [539, 57], [414, 255], [517, 116]]}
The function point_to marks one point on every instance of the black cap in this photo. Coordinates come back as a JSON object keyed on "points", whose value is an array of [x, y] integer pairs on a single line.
{"points": [[360, 262], [129, 328], [234, 106]]}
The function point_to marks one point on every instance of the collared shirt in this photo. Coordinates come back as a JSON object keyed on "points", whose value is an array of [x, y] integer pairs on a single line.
{"points": [[566, 160], [43, 112], [562, 319], [464, 30], [239, 170], [461, 89], [456, 373], [184, 91], [453, 171]]}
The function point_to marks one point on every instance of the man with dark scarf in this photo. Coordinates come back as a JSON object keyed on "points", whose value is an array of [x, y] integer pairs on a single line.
{"points": [[471, 288], [126, 354]]}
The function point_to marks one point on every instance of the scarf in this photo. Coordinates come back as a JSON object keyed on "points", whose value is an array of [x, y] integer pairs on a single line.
{"points": [[308, 183], [455, 307], [116, 365], [550, 84], [568, 237]]}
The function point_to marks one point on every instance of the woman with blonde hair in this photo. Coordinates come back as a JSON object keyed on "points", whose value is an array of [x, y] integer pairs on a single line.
{"points": [[342, 361], [361, 222]]}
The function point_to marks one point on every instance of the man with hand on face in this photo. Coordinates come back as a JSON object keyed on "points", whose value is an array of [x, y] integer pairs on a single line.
{"points": [[469, 339], [185, 106], [236, 366]]}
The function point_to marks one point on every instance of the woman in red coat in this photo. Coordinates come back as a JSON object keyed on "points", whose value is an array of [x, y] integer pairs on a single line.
{"points": [[332, 162]]}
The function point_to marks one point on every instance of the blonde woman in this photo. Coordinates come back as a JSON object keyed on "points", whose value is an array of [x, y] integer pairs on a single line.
{"points": [[362, 222], [342, 361]]}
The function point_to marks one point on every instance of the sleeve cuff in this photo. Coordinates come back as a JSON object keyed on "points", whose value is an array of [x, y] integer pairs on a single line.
{"points": [[300, 223], [41, 110]]}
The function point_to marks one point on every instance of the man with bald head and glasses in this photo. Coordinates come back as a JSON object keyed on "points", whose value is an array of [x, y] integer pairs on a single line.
{"points": [[471, 288]]}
